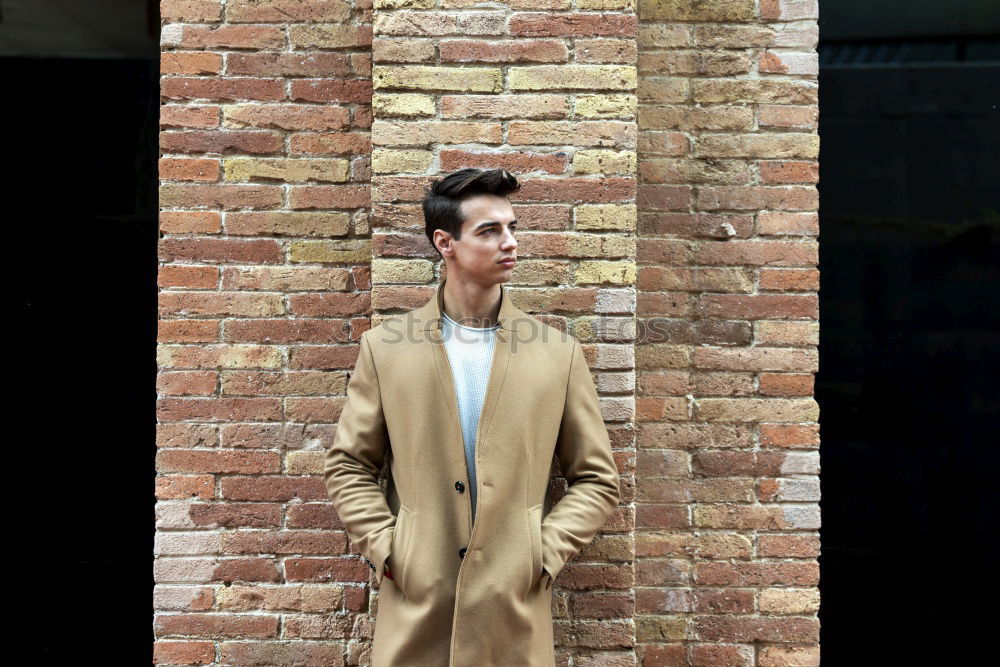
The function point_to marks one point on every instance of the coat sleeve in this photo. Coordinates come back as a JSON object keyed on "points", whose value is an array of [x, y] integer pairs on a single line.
{"points": [[352, 465], [588, 464]]}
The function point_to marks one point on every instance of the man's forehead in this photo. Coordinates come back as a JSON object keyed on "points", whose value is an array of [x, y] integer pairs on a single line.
{"points": [[488, 207]]}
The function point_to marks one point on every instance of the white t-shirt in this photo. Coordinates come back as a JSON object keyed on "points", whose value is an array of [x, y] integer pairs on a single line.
{"points": [[470, 355]]}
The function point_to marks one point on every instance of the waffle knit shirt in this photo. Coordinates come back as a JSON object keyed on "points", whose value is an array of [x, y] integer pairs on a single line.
{"points": [[470, 355]]}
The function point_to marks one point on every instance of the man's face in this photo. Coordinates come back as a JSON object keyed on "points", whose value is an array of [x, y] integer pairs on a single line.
{"points": [[487, 240]]}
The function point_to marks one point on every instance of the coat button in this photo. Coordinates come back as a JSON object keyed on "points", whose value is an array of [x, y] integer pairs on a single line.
{"points": [[461, 552], [460, 486]]}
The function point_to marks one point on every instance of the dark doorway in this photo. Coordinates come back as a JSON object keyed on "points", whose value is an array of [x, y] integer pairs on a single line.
{"points": [[81, 114], [910, 309]]}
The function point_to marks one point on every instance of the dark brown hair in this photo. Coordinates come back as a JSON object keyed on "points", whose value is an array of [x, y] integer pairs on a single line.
{"points": [[445, 195]]}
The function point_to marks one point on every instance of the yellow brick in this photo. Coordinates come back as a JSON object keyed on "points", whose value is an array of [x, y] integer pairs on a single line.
{"points": [[288, 170], [658, 628], [604, 162], [426, 132], [552, 272], [720, 11], [219, 356], [304, 462], [789, 601], [427, 77], [385, 161], [347, 251], [326, 36], [606, 106], [756, 410], [577, 77], [414, 271], [662, 355], [289, 223], [600, 245], [606, 217], [402, 104], [605, 273]]}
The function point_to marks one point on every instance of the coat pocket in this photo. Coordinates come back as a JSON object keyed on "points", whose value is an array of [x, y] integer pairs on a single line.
{"points": [[400, 546], [535, 528]]}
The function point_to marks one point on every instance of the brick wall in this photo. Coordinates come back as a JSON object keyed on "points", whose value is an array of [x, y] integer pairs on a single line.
{"points": [[668, 220], [726, 484], [265, 290]]}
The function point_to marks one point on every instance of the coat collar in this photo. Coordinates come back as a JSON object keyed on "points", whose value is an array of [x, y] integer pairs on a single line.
{"points": [[510, 316]]}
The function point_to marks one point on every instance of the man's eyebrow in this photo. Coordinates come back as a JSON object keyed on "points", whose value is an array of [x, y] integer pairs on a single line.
{"points": [[487, 223]]}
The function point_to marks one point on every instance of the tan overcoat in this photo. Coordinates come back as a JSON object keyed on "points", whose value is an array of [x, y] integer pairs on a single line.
{"points": [[469, 594]]}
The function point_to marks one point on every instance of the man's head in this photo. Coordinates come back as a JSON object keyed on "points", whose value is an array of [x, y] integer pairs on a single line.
{"points": [[470, 222]]}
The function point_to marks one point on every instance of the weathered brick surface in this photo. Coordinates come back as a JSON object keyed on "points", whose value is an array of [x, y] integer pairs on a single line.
{"points": [[668, 154], [552, 97], [265, 285], [727, 508]]}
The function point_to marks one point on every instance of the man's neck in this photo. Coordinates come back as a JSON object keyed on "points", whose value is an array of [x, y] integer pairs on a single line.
{"points": [[471, 305]]}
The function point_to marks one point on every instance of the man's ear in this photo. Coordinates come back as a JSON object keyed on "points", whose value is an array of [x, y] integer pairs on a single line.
{"points": [[443, 241]]}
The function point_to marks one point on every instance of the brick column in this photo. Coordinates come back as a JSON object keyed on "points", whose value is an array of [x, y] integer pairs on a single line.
{"points": [[264, 281], [727, 486], [549, 96]]}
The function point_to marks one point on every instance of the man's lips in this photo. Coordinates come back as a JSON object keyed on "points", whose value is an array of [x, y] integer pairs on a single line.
{"points": [[510, 261]]}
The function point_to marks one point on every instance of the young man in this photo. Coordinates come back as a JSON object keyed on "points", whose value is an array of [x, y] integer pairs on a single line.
{"points": [[471, 397]]}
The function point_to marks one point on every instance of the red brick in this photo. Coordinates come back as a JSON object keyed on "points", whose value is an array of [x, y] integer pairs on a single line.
{"points": [[183, 653], [330, 143], [356, 91], [185, 275], [220, 196], [530, 24], [229, 37], [224, 142], [216, 625], [217, 461], [182, 487], [173, 169], [516, 163], [288, 11], [328, 196], [219, 409], [188, 331], [261, 251], [510, 51], [187, 383], [289, 64], [190, 62], [287, 117], [193, 116], [190, 222], [213, 88]]}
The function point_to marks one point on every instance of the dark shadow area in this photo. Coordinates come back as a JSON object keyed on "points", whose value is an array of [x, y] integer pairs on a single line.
{"points": [[82, 178], [910, 310], [82, 116]]}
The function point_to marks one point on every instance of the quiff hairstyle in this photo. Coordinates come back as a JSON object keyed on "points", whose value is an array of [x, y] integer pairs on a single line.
{"points": [[445, 195]]}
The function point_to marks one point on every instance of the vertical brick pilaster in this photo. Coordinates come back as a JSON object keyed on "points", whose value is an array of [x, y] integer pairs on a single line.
{"points": [[264, 292], [550, 96], [727, 486]]}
